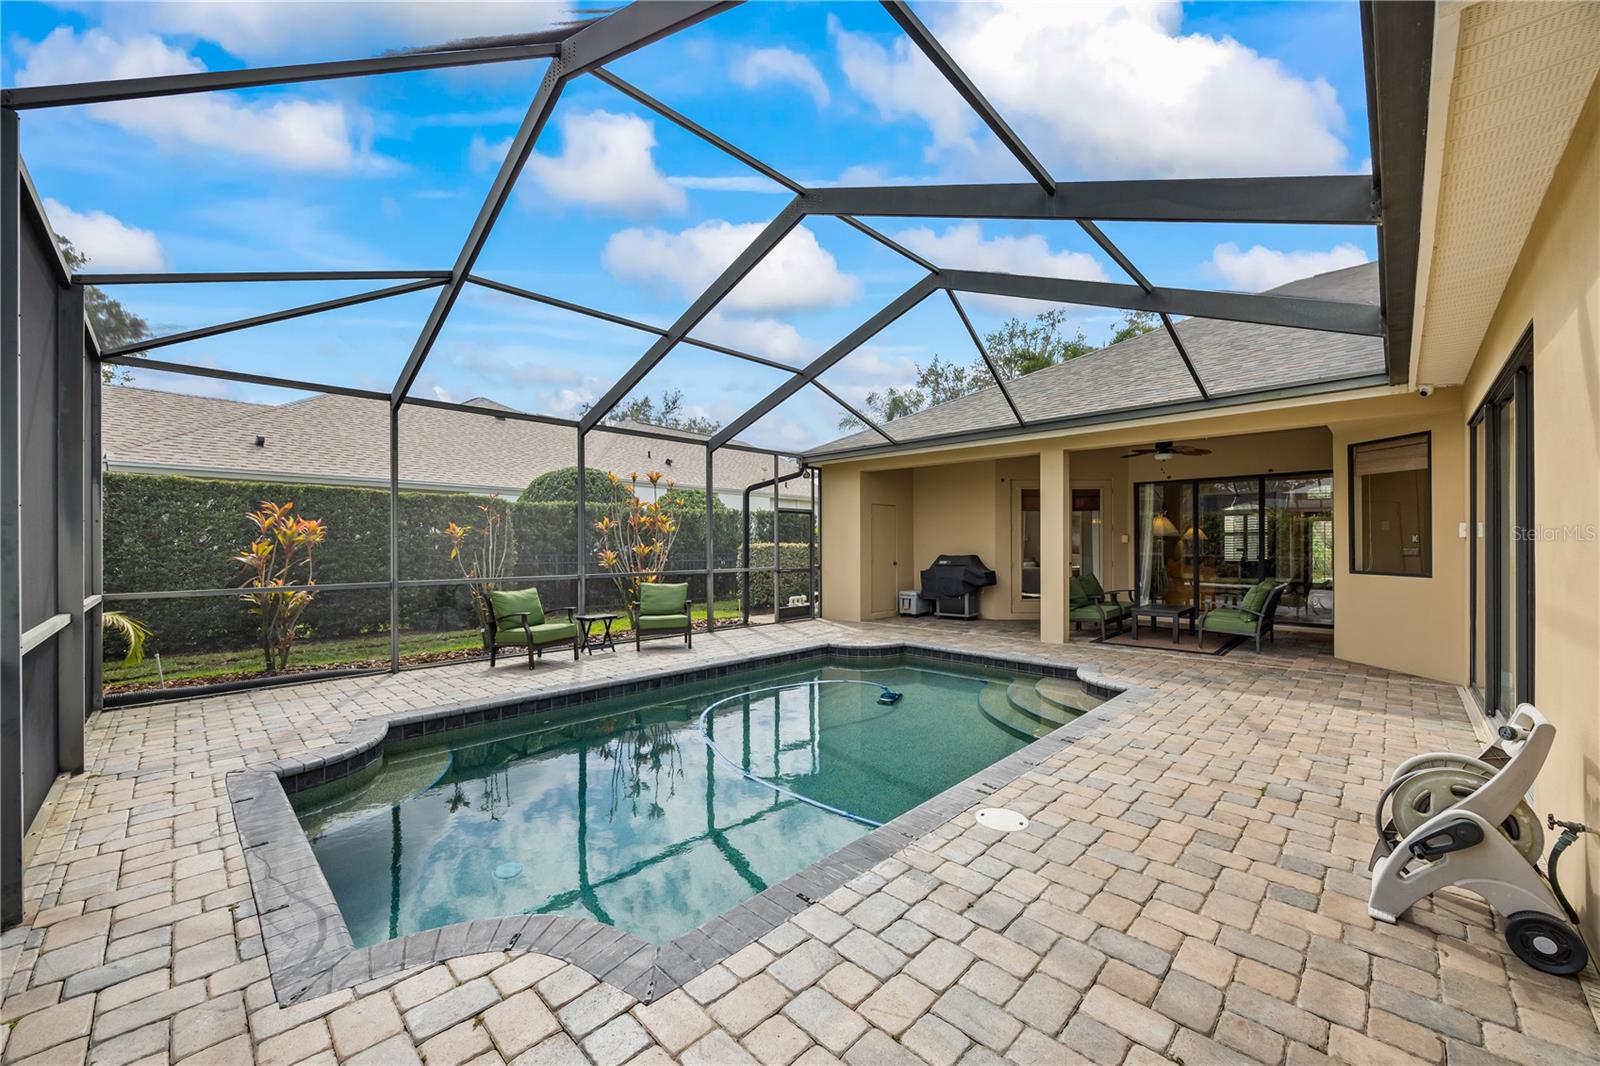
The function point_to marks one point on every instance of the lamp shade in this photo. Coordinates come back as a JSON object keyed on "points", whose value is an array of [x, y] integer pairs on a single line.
{"points": [[1161, 526]]}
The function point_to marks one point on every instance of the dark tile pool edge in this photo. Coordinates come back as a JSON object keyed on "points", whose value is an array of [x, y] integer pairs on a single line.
{"points": [[309, 948]]}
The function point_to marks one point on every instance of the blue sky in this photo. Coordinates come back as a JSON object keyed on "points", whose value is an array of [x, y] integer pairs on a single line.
{"points": [[623, 211]]}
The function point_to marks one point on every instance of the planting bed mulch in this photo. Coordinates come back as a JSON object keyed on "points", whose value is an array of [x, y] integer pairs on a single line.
{"points": [[353, 666]]}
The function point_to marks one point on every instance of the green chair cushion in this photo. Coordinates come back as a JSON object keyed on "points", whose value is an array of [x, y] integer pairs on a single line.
{"points": [[649, 622], [1092, 586], [1229, 620], [1256, 598], [661, 599], [1091, 613], [1077, 593], [544, 633], [510, 603]]}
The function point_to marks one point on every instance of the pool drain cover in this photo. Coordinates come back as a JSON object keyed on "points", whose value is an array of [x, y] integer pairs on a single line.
{"points": [[507, 870], [1001, 819]]}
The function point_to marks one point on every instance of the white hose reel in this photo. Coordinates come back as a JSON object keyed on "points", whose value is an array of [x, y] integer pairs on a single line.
{"points": [[1454, 820]]}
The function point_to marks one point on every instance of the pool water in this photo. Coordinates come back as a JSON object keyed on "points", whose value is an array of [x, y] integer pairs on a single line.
{"points": [[621, 811]]}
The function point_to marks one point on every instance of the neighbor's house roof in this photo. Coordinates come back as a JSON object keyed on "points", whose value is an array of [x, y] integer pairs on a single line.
{"points": [[330, 439], [1145, 371]]}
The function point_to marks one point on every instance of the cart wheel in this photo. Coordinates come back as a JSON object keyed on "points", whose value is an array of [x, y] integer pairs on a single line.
{"points": [[1547, 944]]}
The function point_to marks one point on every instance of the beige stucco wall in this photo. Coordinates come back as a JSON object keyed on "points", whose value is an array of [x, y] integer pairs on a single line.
{"points": [[1415, 625], [959, 500], [1556, 288]]}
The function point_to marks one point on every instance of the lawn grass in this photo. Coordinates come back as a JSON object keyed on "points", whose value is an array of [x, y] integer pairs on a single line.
{"points": [[207, 666]]}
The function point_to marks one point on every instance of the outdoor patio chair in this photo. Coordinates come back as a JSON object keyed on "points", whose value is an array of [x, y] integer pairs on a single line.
{"points": [[1091, 585], [1087, 606], [663, 611], [519, 621], [1254, 617]]}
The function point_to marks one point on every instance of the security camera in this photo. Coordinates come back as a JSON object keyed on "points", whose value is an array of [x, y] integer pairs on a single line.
{"points": [[1424, 391]]}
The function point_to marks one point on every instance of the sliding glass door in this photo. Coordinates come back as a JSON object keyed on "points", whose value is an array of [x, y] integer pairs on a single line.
{"points": [[1163, 536], [1205, 542], [1502, 544]]}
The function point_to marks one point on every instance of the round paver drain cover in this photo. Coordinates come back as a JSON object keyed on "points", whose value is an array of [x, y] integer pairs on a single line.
{"points": [[1001, 819], [507, 870]]}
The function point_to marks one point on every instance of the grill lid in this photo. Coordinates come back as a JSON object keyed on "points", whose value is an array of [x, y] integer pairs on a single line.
{"points": [[955, 575]]}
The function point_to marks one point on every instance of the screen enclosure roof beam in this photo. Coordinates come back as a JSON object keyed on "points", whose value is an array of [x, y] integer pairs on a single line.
{"points": [[617, 34], [857, 337], [735, 272], [1340, 199], [272, 316], [25, 98], [1328, 316], [248, 276], [924, 39]]}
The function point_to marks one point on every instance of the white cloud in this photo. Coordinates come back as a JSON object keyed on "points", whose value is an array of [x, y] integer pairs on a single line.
{"points": [[766, 66], [483, 154], [330, 29], [1105, 89], [111, 245], [1262, 268], [798, 274], [763, 335], [293, 133], [606, 162], [728, 183], [962, 246]]}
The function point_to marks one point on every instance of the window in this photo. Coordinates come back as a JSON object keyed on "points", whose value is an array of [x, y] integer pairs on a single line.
{"points": [[1390, 504]]}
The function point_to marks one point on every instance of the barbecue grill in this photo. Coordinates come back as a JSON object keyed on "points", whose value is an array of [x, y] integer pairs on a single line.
{"points": [[952, 583]]}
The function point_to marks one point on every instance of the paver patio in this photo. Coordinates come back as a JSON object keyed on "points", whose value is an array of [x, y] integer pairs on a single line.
{"points": [[1191, 889]]}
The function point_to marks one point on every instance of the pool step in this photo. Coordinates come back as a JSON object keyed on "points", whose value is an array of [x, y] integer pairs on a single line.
{"points": [[1067, 696], [996, 705], [1027, 699]]}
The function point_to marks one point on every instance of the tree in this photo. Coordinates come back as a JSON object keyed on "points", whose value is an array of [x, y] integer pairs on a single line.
{"points": [[114, 325], [561, 486], [938, 382], [1132, 325], [1020, 347], [668, 414]]}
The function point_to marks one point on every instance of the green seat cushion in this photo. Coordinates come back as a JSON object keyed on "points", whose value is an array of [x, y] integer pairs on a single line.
{"points": [[510, 603], [1229, 620], [1091, 613], [658, 599], [1256, 598], [544, 633], [648, 622]]}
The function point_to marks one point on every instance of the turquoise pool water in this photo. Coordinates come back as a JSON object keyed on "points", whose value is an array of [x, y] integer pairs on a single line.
{"points": [[622, 812]]}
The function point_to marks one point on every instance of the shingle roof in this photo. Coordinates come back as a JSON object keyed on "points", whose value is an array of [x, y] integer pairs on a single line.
{"points": [[344, 439], [1230, 357]]}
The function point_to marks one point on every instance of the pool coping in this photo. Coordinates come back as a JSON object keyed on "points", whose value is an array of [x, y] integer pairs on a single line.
{"points": [[310, 951]]}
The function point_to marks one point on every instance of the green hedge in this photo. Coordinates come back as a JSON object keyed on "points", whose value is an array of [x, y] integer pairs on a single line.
{"points": [[166, 533], [790, 557]]}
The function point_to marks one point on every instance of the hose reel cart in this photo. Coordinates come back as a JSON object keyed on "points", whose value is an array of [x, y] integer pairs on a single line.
{"points": [[1448, 819]]}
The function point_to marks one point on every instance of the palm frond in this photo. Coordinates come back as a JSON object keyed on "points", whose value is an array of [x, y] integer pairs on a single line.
{"points": [[133, 632]]}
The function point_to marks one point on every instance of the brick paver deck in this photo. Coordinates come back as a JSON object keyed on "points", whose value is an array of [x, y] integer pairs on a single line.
{"points": [[1192, 889]]}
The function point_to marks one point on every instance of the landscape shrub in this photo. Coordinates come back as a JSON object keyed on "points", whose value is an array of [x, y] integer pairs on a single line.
{"points": [[167, 532]]}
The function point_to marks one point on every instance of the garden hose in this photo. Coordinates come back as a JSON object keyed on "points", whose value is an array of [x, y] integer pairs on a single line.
{"points": [[1569, 834]]}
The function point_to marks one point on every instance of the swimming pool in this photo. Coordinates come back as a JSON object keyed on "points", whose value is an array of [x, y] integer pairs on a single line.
{"points": [[658, 812]]}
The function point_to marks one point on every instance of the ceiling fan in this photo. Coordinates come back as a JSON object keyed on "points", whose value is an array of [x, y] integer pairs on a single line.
{"points": [[1164, 450]]}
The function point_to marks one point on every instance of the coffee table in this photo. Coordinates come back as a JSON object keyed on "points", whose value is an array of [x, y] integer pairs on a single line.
{"points": [[1157, 613], [604, 641]]}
